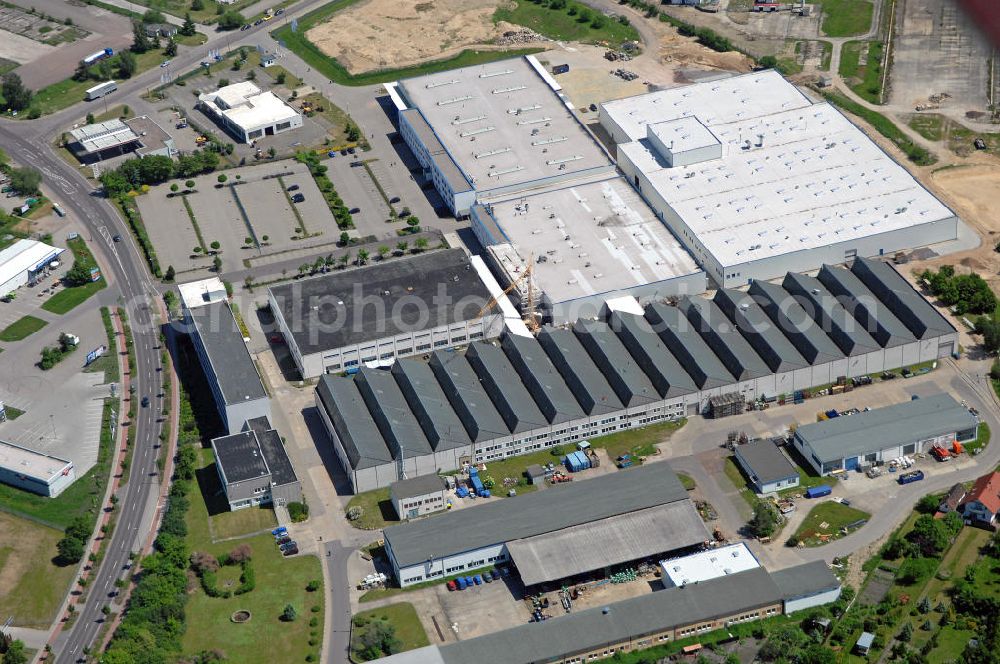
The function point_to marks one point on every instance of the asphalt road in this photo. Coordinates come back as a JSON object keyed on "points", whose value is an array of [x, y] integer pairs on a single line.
{"points": [[132, 283]]}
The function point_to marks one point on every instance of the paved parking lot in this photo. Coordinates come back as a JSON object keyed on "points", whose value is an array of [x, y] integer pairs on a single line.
{"points": [[170, 229], [269, 211], [358, 190]]}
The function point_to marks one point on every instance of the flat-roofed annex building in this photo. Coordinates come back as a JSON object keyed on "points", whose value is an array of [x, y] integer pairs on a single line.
{"points": [[494, 130], [882, 434], [102, 140], [767, 466], [757, 180], [33, 471], [230, 370], [370, 316], [555, 534], [254, 468], [248, 113], [589, 242], [624, 370]]}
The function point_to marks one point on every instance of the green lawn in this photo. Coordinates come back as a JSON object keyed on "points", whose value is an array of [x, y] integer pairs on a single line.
{"points": [[68, 92], [69, 298], [834, 515], [981, 441], [846, 18], [329, 67], [210, 518], [22, 328], [687, 481], [957, 137], [31, 586], [108, 363], [241, 522], [583, 25], [279, 581], [865, 78], [82, 496], [403, 617], [739, 480], [884, 126], [12, 413], [377, 510]]}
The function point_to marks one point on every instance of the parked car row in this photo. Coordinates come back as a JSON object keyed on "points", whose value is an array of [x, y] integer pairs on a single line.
{"points": [[463, 582], [286, 544]]}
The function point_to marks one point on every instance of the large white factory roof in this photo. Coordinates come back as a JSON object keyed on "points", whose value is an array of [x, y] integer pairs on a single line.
{"points": [[792, 176], [504, 124], [588, 239], [710, 564], [246, 106]]}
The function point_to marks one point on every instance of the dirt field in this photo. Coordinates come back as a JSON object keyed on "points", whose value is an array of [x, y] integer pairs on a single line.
{"points": [[379, 34]]}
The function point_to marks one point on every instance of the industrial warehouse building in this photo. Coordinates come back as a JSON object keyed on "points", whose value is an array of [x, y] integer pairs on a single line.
{"points": [[372, 315], [22, 262], [247, 113], [254, 468], [642, 622], [556, 534], [880, 435], [140, 136], [493, 132], [767, 466], [591, 242], [756, 179], [33, 471], [599, 376], [232, 375]]}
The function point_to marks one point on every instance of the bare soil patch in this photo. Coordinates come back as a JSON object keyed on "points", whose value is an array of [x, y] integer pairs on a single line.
{"points": [[380, 34]]}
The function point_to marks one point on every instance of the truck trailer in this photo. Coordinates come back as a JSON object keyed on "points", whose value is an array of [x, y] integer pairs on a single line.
{"points": [[94, 58], [101, 90]]}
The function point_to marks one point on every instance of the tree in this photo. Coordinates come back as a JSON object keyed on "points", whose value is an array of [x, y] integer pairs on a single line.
{"points": [[271, 152], [906, 633], [217, 264], [187, 458], [345, 238], [230, 20], [312, 586], [289, 614], [15, 653], [14, 93], [25, 181], [930, 535], [353, 133], [264, 238], [197, 5], [768, 62], [170, 50], [189, 184], [817, 654], [362, 256], [383, 251], [280, 78], [222, 178], [402, 246], [70, 550], [90, 118], [187, 29], [241, 553], [127, 65], [153, 16], [376, 639], [140, 42], [174, 187], [81, 73], [764, 521], [421, 243], [925, 605], [928, 504], [215, 245]]}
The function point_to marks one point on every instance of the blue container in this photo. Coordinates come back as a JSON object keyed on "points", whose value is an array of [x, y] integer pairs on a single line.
{"points": [[485, 493], [818, 491], [460, 582], [478, 579], [462, 492]]}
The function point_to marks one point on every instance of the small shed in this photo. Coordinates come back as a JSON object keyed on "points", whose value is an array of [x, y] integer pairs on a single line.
{"points": [[535, 474], [417, 496], [953, 499], [864, 643]]}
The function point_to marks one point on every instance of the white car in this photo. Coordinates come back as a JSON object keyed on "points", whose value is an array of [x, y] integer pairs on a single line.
{"points": [[164, 63]]}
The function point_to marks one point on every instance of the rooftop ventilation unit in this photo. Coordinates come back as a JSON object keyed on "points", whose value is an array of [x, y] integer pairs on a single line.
{"points": [[455, 100], [460, 120], [548, 141], [553, 162], [522, 109], [491, 74], [490, 153], [513, 88], [474, 132], [430, 86], [505, 171], [531, 122]]}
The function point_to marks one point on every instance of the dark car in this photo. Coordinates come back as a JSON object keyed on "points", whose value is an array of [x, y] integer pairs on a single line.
{"points": [[246, 26], [279, 12], [350, 150], [394, 200], [117, 238], [354, 210], [291, 551], [288, 545], [145, 402], [355, 164], [980, 144], [293, 187], [298, 198], [593, 107], [283, 540]]}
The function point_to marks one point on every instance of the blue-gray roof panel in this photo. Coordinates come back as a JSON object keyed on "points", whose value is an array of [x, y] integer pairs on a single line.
{"points": [[626, 378], [504, 386], [688, 347], [538, 373]]}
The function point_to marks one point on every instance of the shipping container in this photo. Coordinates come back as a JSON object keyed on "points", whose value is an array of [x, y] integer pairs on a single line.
{"points": [[818, 491], [912, 476], [560, 69]]}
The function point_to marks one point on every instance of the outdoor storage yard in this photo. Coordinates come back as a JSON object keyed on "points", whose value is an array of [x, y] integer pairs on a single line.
{"points": [[379, 34], [252, 203]]}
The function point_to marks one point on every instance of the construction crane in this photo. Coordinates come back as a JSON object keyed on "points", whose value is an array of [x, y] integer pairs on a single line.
{"points": [[529, 315]]}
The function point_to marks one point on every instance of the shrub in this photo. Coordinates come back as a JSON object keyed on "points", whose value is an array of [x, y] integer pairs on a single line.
{"points": [[298, 511], [289, 614], [313, 586]]}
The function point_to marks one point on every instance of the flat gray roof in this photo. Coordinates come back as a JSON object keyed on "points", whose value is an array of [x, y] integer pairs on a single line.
{"points": [[787, 314], [805, 580], [579, 371], [441, 425], [619, 539], [718, 332], [662, 368], [686, 344], [922, 319], [589, 629], [355, 427], [542, 378], [504, 386], [421, 485], [240, 457], [774, 348], [828, 312], [222, 339], [467, 396], [274, 451], [867, 309], [849, 436], [379, 300], [767, 463], [391, 413], [628, 381], [531, 514], [503, 124]]}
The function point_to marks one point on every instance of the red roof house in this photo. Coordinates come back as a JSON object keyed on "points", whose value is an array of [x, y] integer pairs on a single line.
{"points": [[982, 504]]}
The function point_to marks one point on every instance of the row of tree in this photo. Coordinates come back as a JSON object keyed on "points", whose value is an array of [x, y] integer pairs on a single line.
{"points": [[156, 169]]}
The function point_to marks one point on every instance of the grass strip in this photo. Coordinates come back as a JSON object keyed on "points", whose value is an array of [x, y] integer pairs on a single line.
{"points": [[22, 328], [194, 224], [884, 126], [134, 218]]}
